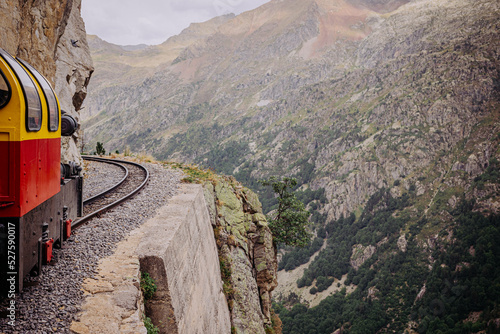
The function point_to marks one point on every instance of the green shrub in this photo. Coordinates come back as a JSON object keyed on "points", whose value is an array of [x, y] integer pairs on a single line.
{"points": [[150, 327], [148, 286]]}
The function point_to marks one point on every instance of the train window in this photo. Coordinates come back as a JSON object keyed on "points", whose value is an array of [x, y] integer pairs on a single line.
{"points": [[4, 90], [50, 97], [33, 104], [34, 114]]}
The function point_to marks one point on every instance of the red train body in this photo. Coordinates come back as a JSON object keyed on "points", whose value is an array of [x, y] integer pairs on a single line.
{"points": [[30, 173]]}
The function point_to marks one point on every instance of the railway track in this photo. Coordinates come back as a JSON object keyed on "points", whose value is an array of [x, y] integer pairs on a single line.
{"points": [[134, 179]]}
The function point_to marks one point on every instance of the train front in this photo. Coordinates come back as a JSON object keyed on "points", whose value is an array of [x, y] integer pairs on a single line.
{"points": [[35, 203]]}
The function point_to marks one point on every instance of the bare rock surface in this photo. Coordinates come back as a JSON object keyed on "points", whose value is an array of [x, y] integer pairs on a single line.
{"points": [[402, 243], [246, 251], [360, 254], [74, 68]]}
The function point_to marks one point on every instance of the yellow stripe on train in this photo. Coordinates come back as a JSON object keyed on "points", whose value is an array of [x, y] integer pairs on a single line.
{"points": [[24, 108]]}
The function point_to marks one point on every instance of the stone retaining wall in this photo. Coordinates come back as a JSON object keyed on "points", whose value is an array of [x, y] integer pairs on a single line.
{"points": [[176, 248]]}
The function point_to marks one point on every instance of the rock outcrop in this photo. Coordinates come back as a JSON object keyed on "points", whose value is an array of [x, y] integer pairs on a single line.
{"points": [[73, 71], [360, 254], [41, 32], [247, 253]]}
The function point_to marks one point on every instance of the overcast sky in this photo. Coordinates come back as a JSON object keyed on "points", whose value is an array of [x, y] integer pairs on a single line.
{"points": [[129, 22]]}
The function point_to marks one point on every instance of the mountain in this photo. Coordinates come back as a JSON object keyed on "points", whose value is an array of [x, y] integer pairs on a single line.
{"points": [[386, 112]]}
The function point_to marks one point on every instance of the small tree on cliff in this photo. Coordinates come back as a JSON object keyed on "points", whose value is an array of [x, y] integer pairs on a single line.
{"points": [[99, 148], [289, 222]]}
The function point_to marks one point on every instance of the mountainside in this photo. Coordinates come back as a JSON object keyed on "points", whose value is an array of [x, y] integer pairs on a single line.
{"points": [[386, 112]]}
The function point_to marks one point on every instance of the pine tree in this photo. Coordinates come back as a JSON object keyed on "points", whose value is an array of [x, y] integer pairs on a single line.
{"points": [[289, 222]]}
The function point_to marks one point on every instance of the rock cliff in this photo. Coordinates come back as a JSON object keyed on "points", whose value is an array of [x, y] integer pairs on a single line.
{"points": [[246, 252], [41, 32]]}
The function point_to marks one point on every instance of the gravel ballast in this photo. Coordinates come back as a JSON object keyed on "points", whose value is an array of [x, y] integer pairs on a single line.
{"points": [[50, 302], [99, 177]]}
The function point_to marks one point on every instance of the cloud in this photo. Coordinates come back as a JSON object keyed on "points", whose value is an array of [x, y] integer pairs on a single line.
{"points": [[128, 22]]}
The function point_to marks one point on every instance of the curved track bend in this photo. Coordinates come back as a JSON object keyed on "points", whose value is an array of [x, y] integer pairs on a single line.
{"points": [[135, 178]]}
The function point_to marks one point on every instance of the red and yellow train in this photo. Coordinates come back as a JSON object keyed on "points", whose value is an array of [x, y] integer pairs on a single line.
{"points": [[38, 195]]}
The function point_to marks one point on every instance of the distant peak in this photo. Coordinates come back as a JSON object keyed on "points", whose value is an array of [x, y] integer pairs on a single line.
{"points": [[379, 6], [201, 29]]}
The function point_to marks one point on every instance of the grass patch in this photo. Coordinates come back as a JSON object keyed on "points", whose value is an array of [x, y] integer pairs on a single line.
{"points": [[194, 173]]}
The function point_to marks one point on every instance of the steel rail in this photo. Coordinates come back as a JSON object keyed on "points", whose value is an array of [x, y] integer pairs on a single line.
{"points": [[125, 169], [86, 218]]}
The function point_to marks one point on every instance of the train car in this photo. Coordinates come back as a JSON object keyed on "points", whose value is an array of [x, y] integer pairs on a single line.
{"points": [[38, 195]]}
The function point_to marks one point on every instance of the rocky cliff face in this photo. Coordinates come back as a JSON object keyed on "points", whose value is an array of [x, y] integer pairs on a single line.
{"points": [[246, 252], [40, 32]]}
